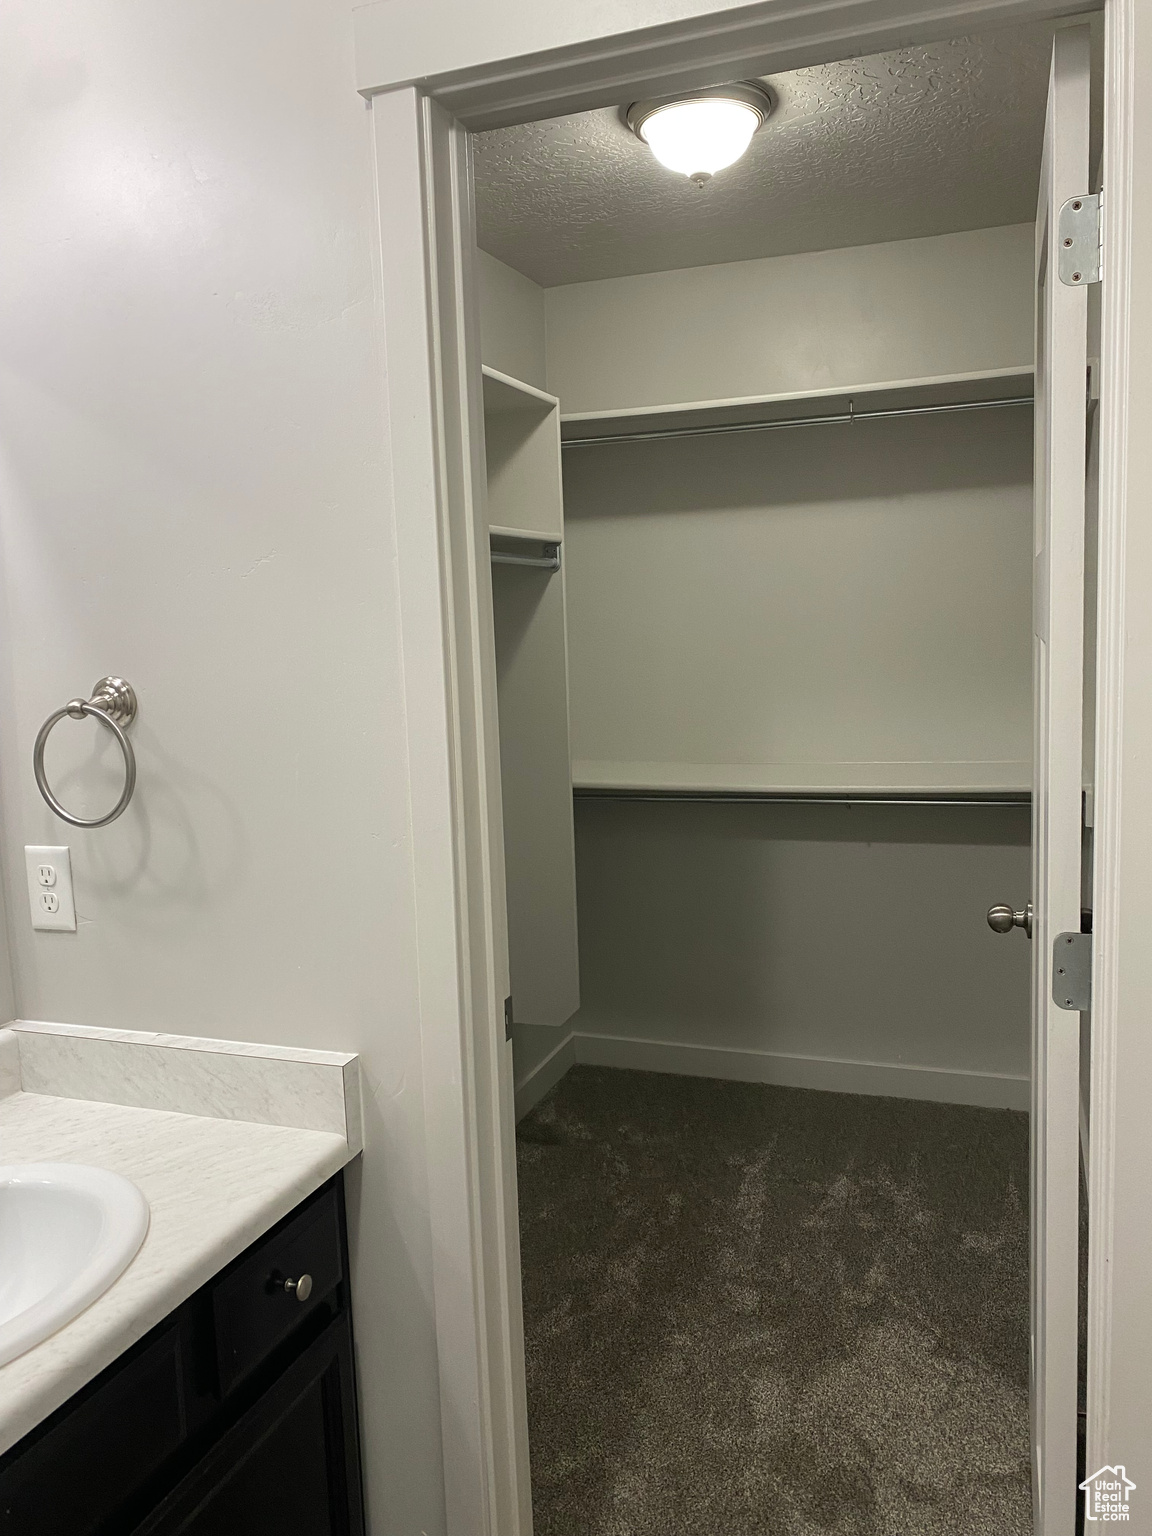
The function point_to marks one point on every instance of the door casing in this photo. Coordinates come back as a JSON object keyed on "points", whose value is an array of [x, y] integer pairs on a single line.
{"points": [[426, 221]]}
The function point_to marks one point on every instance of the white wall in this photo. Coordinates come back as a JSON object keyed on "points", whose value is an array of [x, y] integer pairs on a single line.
{"points": [[196, 494], [511, 321], [724, 939], [557, 54], [805, 607], [905, 310], [812, 607], [414, 39]]}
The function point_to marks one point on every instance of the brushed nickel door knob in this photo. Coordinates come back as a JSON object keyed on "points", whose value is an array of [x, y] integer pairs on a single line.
{"points": [[301, 1288], [1004, 919]]}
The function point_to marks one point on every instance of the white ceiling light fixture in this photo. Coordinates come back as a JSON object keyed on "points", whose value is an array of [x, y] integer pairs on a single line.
{"points": [[701, 133]]}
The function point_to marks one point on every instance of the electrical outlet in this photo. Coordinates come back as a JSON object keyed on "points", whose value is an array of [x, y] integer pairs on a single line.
{"points": [[50, 888]]}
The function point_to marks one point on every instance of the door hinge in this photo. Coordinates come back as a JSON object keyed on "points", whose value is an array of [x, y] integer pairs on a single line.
{"points": [[508, 1018], [1079, 235], [1072, 971]]}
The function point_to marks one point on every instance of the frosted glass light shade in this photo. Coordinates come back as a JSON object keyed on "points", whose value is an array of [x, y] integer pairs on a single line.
{"points": [[700, 137]]}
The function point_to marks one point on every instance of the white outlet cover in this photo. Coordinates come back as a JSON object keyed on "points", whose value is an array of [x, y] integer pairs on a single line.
{"points": [[64, 917]]}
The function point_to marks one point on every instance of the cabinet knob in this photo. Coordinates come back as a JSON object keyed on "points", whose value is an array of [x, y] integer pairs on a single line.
{"points": [[1003, 919], [301, 1288]]}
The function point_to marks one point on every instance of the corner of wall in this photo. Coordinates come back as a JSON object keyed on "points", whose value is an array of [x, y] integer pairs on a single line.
{"points": [[541, 1055], [512, 338]]}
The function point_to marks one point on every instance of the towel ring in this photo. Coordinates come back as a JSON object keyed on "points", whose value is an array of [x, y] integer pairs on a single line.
{"points": [[113, 703]]}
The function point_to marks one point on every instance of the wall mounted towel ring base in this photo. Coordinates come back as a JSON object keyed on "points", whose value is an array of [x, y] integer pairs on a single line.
{"points": [[113, 703]]}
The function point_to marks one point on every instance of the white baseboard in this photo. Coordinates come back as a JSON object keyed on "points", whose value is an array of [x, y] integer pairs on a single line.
{"points": [[545, 1075], [987, 1089]]}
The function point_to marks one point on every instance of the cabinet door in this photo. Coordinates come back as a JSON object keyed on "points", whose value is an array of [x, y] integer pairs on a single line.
{"points": [[289, 1466], [94, 1457]]}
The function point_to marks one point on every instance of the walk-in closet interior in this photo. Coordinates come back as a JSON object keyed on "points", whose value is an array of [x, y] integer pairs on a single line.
{"points": [[760, 470]]}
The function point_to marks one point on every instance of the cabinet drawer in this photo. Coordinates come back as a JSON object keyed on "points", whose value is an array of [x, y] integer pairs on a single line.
{"points": [[252, 1311]]}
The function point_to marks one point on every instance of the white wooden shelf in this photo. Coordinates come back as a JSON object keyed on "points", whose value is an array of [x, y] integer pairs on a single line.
{"points": [[924, 779], [504, 393], [903, 396], [526, 529], [522, 449], [525, 535]]}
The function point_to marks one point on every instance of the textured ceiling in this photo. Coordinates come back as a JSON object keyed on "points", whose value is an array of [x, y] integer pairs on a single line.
{"points": [[921, 141]]}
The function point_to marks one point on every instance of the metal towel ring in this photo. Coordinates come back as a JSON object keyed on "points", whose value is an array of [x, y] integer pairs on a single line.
{"points": [[113, 703]]}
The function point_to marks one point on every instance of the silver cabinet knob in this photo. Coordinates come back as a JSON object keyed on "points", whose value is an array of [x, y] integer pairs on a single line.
{"points": [[1003, 919], [301, 1288]]}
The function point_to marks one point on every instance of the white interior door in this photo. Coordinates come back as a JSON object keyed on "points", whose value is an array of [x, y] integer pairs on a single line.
{"points": [[1058, 644]]}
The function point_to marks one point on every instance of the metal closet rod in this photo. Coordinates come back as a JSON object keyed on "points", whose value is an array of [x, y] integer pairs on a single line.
{"points": [[848, 416], [548, 561], [773, 797]]}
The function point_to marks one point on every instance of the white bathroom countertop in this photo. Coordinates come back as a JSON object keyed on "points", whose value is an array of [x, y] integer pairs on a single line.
{"points": [[214, 1184]]}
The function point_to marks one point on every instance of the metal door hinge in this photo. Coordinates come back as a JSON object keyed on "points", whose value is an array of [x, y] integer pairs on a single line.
{"points": [[1072, 971], [1079, 237], [507, 1018]]}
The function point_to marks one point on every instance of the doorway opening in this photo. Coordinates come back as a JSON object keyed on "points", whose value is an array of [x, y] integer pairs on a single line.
{"points": [[760, 490]]}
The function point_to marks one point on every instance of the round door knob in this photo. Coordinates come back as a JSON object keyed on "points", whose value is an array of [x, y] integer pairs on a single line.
{"points": [[1004, 919], [301, 1288]]}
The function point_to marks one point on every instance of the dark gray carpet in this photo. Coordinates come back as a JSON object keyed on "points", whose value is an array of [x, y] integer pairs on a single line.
{"points": [[766, 1310]]}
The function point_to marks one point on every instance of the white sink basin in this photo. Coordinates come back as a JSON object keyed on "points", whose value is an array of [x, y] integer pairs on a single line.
{"points": [[66, 1233]]}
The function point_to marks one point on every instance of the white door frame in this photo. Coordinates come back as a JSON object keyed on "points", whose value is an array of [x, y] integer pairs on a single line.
{"points": [[425, 205]]}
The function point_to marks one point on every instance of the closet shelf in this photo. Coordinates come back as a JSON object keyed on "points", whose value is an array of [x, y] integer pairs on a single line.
{"points": [[522, 458], [878, 781], [524, 535], [948, 392], [504, 393]]}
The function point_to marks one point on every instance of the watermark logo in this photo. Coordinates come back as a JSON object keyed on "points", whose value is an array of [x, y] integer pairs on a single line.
{"points": [[1106, 1494]]}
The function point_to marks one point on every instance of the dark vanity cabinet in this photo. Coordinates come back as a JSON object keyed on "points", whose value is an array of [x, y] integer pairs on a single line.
{"points": [[235, 1416]]}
